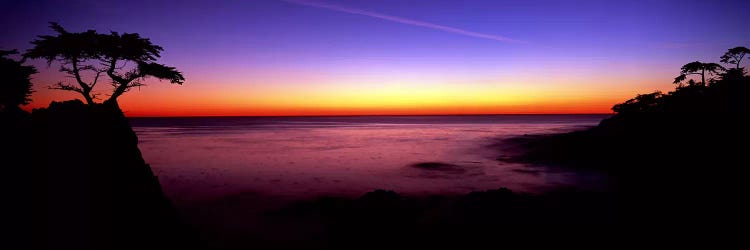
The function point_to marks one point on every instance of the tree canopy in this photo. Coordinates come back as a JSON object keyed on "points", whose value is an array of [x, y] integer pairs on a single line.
{"points": [[698, 68], [15, 81], [734, 56], [127, 59]]}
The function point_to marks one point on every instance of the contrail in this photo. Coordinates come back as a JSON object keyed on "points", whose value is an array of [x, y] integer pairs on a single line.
{"points": [[402, 20]]}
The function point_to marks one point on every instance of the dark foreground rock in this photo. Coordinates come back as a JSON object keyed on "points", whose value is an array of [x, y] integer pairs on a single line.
{"points": [[385, 219]]}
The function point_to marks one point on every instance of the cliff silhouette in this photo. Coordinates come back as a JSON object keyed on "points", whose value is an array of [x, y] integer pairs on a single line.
{"points": [[75, 176], [93, 189]]}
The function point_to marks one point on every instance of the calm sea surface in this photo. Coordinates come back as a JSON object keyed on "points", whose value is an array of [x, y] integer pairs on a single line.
{"points": [[303, 157]]}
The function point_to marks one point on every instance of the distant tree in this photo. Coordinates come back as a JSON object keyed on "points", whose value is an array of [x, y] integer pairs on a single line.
{"points": [[734, 56], [697, 68], [127, 59], [15, 81]]}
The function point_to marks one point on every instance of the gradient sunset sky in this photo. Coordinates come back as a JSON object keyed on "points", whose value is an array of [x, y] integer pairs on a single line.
{"points": [[335, 57]]}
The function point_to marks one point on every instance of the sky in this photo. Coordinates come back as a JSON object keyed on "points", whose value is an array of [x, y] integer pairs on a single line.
{"points": [[335, 57]]}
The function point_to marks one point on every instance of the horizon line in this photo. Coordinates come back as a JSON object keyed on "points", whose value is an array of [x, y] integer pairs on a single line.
{"points": [[220, 116]]}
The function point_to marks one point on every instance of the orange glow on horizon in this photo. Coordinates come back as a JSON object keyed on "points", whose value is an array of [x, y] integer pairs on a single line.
{"points": [[311, 95], [180, 101]]}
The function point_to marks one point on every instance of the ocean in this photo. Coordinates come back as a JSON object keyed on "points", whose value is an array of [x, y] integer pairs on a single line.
{"points": [[202, 158]]}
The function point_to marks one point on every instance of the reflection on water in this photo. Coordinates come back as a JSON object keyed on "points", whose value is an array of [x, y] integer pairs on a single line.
{"points": [[303, 157]]}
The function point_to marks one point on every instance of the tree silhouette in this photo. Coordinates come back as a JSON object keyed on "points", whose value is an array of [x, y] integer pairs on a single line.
{"points": [[15, 81], [727, 93], [127, 59], [691, 82], [734, 56], [697, 68]]}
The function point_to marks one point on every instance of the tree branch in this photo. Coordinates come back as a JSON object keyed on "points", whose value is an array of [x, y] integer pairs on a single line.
{"points": [[96, 79], [85, 87], [111, 72], [120, 83], [65, 86], [66, 70]]}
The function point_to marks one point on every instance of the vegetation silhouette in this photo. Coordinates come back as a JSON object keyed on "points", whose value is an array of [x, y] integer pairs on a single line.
{"points": [[673, 156], [15, 89], [127, 59], [717, 108], [697, 68], [735, 56], [15, 82]]}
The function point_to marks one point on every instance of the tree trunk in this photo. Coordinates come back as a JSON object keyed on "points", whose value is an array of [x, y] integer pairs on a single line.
{"points": [[87, 97], [89, 100], [113, 103], [118, 92], [703, 77]]}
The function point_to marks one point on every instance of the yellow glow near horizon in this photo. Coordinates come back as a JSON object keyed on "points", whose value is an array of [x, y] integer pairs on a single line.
{"points": [[311, 94]]}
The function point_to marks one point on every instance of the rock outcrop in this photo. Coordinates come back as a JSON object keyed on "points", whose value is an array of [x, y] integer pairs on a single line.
{"points": [[93, 188]]}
